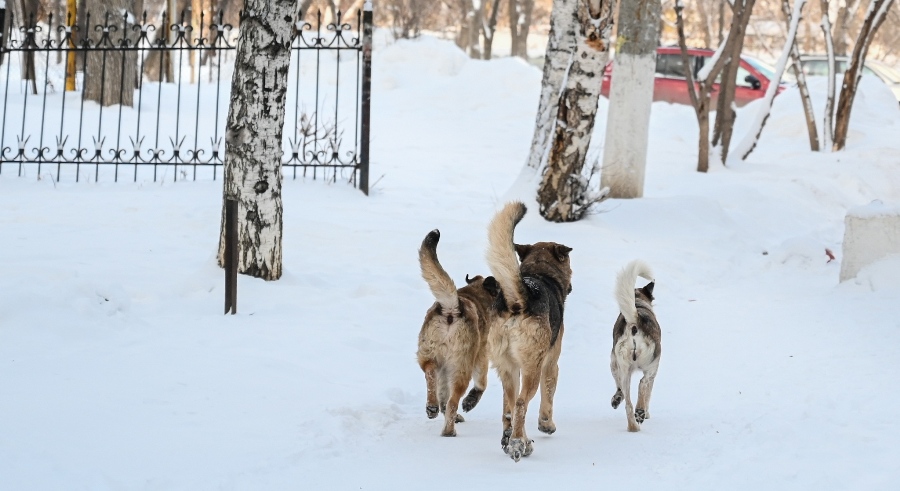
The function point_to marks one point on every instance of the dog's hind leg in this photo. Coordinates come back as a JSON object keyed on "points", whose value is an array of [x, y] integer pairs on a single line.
{"points": [[451, 417], [614, 368], [479, 376], [645, 387], [519, 444], [431, 398], [443, 379], [510, 382], [549, 379], [625, 387]]}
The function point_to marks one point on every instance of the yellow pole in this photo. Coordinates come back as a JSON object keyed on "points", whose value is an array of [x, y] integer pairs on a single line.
{"points": [[72, 7]]}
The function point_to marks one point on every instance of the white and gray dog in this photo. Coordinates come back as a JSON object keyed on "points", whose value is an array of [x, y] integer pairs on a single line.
{"points": [[636, 342]]}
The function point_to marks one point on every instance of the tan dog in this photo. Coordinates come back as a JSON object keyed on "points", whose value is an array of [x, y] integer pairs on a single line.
{"points": [[636, 342], [453, 339], [526, 338]]}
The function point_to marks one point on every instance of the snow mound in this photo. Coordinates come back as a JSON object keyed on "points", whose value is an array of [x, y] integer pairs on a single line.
{"points": [[883, 275]]}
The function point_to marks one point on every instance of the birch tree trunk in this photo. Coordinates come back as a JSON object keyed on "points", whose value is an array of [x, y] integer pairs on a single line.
{"points": [[801, 85], [828, 123], [253, 135], [748, 143], [725, 115], [563, 196], [557, 58], [874, 18], [630, 98]]}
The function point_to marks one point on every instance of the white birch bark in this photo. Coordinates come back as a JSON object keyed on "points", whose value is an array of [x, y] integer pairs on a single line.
{"points": [[748, 143], [253, 135], [563, 194], [558, 56], [630, 100], [828, 130]]}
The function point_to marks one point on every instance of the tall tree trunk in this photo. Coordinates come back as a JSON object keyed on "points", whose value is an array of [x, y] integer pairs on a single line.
{"points": [[725, 115], [808, 112], [70, 19], [253, 135], [559, 53], [840, 34], [874, 18], [523, 26], [748, 143], [109, 76], [25, 13], [828, 123], [701, 91], [721, 21], [512, 9], [475, 19], [630, 98], [704, 20], [562, 195], [490, 27]]}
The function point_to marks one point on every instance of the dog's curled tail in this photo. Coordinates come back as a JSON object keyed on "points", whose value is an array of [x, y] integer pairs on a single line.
{"points": [[438, 280], [501, 254], [625, 288]]}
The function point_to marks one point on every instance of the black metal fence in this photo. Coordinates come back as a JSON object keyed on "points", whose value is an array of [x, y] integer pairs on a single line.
{"points": [[128, 99]]}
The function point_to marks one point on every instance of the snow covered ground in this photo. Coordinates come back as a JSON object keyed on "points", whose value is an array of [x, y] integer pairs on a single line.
{"points": [[118, 371]]}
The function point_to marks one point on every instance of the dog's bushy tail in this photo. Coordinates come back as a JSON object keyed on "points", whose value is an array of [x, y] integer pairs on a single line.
{"points": [[501, 254], [438, 280], [625, 288]]}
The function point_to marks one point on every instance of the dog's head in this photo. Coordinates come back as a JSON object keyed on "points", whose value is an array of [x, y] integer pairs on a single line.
{"points": [[645, 293], [489, 285], [549, 259]]}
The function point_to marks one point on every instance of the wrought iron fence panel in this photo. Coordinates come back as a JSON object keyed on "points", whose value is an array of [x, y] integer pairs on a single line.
{"points": [[53, 124]]}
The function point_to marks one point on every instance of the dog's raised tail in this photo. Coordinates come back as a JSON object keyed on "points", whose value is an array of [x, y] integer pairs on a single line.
{"points": [[438, 280], [625, 288], [501, 254]]}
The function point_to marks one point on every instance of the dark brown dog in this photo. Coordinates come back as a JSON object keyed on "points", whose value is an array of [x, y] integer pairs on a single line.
{"points": [[526, 337]]}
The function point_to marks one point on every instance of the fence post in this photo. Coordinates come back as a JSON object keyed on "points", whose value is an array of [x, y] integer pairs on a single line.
{"points": [[366, 98], [231, 255], [2, 34]]}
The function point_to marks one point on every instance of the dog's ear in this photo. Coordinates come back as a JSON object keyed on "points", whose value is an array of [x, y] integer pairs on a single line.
{"points": [[648, 290], [491, 286], [522, 250], [469, 281], [561, 252]]}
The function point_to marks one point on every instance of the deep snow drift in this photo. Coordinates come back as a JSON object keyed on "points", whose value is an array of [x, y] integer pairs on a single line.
{"points": [[118, 371]]}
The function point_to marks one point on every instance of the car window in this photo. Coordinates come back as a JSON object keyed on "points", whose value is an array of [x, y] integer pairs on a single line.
{"points": [[815, 68], [669, 66]]}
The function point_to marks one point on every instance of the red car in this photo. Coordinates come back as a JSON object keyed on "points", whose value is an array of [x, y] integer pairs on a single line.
{"points": [[752, 77]]}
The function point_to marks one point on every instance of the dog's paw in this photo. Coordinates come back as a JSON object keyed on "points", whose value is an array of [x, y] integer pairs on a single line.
{"points": [[459, 418], [617, 399], [504, 440], [640, 415], [471, 399], [449, 432], [431, 411], [546, 426], [519, 448]]}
